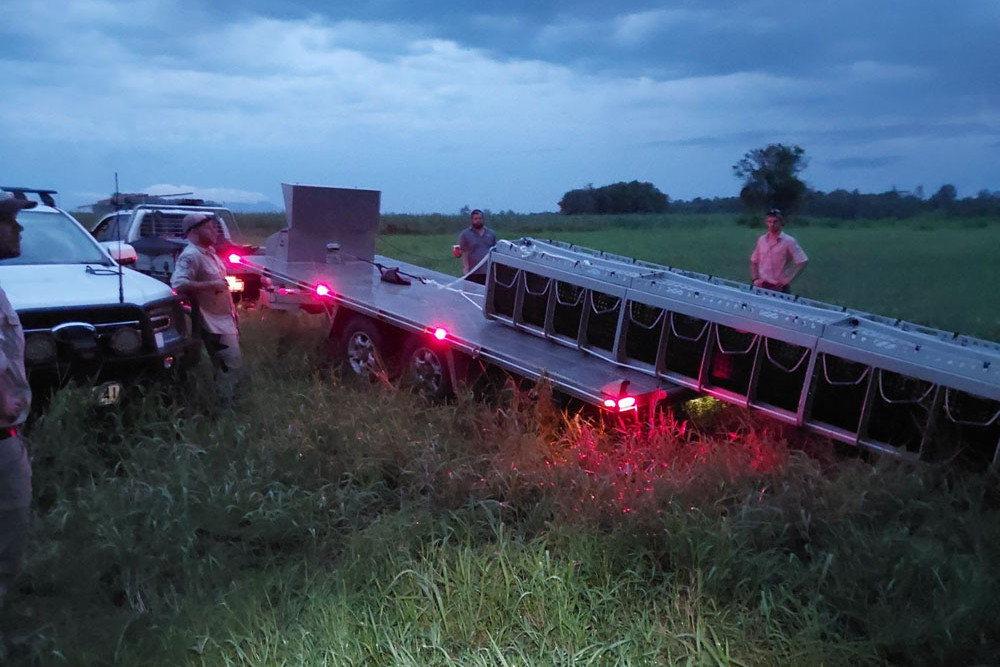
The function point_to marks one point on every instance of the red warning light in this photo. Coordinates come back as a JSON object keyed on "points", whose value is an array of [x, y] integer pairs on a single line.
{"points": [[621, 404], [323, 290], [440, 333], [626, 403], [235, 259]]}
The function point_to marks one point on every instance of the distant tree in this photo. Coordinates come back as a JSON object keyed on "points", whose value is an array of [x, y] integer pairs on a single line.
{"points": [[578, 202], [945, 197], [770, 176], [634, 197]]}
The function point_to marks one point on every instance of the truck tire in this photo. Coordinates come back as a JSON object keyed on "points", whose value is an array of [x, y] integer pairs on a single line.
{"points": [[425, 368], [361, 350]]}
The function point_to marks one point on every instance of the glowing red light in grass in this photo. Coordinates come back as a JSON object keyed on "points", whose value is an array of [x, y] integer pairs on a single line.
{"points": [[440, 333], [323, 290], [235, 259]]}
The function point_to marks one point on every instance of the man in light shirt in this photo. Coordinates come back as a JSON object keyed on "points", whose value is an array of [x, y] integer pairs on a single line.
{"points": [[200, 276], [777, 258], [15, 402]]}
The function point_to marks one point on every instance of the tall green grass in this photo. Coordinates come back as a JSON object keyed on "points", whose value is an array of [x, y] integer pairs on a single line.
{"points": [[316, 522]]}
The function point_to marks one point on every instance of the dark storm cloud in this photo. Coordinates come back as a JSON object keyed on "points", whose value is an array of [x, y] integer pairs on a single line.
{"points": [[558, 93]]}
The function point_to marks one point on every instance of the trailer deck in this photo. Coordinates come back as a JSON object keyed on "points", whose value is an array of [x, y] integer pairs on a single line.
{"points": [[435, 300]]}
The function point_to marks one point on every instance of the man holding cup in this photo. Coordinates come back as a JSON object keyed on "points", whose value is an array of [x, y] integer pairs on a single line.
{"points": [[473, 246]]}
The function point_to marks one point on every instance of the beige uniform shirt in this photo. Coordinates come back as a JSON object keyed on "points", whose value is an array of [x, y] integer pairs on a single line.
{"points": [[14, 390], [196, 264]]}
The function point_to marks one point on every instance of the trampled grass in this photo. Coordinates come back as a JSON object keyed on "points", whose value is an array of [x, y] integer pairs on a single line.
{"points": [[322, 523]]}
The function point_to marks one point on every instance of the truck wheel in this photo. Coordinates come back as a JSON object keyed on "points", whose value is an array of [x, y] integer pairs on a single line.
{"points": [[426, 368], [361, 349]]}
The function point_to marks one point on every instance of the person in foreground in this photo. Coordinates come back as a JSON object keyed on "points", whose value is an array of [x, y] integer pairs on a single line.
{"points": [[200, 276], [15, 396], [473, 245], [777, 259]]}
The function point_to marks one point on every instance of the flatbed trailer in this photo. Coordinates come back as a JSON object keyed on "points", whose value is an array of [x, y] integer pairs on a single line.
{"points": [[624, 335], [434, 328]]}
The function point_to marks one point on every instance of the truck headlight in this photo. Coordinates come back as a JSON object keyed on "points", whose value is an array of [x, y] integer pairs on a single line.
{"points": [[39, 348], [126, 340]]}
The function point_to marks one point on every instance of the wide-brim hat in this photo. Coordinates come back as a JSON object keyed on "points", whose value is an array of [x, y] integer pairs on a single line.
{"points": [[192, 220], [11, 204]]}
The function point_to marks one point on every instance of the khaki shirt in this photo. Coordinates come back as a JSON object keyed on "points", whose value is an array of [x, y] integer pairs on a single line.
{"points": [[196, 264], [15, 393]]}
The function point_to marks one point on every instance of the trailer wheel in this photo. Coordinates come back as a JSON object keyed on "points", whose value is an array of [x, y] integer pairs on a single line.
{"points": [[361, 349], [426, 368]]}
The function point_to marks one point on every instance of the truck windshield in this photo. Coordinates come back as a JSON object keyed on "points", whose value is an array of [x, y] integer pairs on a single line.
{"points": [[52, 237]]}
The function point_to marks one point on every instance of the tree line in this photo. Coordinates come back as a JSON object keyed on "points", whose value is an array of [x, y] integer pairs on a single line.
{"points": [[770, 178], [855, 205]]}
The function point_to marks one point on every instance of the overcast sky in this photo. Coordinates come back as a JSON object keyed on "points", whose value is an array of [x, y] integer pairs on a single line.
{"points": [[499, 105]]}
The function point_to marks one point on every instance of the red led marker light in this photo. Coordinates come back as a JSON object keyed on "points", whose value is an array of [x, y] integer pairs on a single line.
{"points": [[626, 403], [623, 404], [440, 333], [323, 290], [235, 259]]}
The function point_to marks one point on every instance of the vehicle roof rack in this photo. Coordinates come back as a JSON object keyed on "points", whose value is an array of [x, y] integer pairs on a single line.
{"points": [[21, 193]]}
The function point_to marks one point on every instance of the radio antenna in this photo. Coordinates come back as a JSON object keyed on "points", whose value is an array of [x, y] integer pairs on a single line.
{"points": [[118, 235]]}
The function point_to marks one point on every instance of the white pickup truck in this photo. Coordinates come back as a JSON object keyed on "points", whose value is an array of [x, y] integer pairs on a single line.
{"points": [[154, 231], [86, 318]]}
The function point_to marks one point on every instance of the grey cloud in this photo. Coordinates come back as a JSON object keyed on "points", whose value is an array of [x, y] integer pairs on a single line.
{"points": [[863, 162]]}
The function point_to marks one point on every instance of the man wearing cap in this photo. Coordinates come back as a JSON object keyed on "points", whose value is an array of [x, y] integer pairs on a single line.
{"points": [[15, 401], [200, 276], [777, 258]]}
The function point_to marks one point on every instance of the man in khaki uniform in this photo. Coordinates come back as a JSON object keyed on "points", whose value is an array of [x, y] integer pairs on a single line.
{"points": [[200, 276], [15, 402]]}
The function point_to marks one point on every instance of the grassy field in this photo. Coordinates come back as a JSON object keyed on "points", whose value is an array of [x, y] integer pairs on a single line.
{"points": [[318, 522], [942, 276], [322, 523]]}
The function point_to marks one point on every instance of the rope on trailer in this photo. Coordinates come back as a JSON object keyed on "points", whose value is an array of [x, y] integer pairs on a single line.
{"points": [[673, 328], [633, 320], [643, 369], [843, 383], [593, 306], [723, 350], [576, 302], [901, 401], [548, 282], [775, 362], [965, 422]]}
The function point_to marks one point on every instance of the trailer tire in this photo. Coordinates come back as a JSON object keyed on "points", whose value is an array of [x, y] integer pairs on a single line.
{"points": [[360, 348], [425, 368]]}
